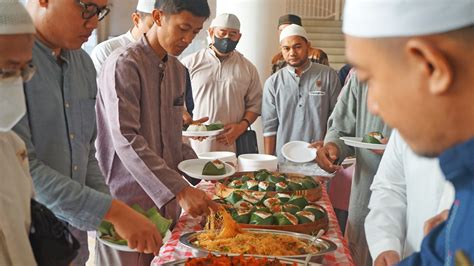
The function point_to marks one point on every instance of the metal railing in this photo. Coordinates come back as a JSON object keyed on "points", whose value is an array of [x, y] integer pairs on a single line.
{"points": [[315, 9]]}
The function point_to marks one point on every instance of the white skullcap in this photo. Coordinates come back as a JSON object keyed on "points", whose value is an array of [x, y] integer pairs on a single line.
{"points": [[14, 19], [293, 30], [226, 20], [146, 6], [401, 18]]}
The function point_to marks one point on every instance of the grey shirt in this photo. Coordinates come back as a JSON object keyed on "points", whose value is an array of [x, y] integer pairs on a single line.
{"points": [[352, 118], [290, 113], [59, 131]]}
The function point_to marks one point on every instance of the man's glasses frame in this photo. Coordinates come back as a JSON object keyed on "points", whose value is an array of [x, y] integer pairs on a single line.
{"points": [[90, 10]]}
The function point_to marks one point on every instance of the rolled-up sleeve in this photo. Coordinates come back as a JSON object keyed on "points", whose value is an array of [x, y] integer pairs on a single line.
{"points": [[79, 205], [253, 98], [120, 93], [269, 110]]}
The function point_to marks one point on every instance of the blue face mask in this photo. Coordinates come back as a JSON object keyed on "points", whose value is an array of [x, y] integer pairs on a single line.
{"points": [[224, 45]]}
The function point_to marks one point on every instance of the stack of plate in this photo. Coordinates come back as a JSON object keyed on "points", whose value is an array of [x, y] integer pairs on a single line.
{"points": [[254, 162]]}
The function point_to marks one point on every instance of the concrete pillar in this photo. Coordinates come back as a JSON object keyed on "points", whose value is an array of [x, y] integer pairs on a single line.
{"points": [[259, 42]]}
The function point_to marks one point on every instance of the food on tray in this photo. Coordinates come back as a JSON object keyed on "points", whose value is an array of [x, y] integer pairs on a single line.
{"points": [[234, 261], [232, 239], [215, 167], [253, 207], [107, 231], [373, 137], [202, 127], [266, 181]]}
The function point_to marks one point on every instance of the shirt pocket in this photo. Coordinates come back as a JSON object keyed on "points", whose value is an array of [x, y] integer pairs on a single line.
{"points": [[88, 120]]}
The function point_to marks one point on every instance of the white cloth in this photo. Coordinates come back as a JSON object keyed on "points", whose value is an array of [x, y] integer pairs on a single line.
{"points": [[146, 6], [12, 101], [395, 18], [226, 20], [223, 91], [16, 191], [14, 19], [406, 191], [293, 30], [100, 53]]}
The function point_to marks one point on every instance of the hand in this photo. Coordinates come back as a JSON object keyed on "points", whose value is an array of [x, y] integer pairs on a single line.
{"points": [[187, 118], [387, 258], [141, 234], [231, 133], [380, 152], [435, 221], [326, 156], [317, 145], [195, 202]]}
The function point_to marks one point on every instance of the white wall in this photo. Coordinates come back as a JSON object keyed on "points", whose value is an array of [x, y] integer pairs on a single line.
{"points": [[259, 42]]}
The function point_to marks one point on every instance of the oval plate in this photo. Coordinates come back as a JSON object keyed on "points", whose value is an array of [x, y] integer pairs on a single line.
{"points": [[209, 133], [126, 248], [193, 168], [281, 260], [324, 246], [357, 142]]}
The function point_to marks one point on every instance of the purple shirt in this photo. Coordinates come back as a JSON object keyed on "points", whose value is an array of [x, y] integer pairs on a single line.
{"points": [[139, 114]]}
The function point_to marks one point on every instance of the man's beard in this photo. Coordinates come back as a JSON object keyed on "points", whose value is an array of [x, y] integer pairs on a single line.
{"points": [[298, 64]]}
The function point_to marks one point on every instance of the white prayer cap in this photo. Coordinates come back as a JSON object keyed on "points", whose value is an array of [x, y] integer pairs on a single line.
{"points": [[226, 20], [402, 18], [293, 30], [146, 6], [14, 19]]}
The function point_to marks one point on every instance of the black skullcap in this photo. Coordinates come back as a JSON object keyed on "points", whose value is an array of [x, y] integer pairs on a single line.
{"points": [[289, 19]]}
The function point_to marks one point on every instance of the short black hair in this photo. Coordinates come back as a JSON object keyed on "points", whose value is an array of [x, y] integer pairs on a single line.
{"points": [[199, 8]]}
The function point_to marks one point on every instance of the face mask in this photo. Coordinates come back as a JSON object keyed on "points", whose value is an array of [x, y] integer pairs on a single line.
{"points": [[12, 101], [224, 45]]}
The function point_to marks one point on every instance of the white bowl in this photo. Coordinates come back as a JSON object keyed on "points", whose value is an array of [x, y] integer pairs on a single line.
{"points": [[254, 162]]}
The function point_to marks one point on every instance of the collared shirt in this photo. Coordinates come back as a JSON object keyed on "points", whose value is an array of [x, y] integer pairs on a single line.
{"points": [[446, 241], [315, 55], [103, 50], [139, 113], [351, 118], [16, 191], [407, 191], [59, 131], [223, 91], [290, 112]]}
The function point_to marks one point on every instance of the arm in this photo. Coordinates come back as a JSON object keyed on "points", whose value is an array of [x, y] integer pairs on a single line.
{"points": [[94, 177], [81, 206], [388, 202], [120, 93], [269, 118], [334, 90]]}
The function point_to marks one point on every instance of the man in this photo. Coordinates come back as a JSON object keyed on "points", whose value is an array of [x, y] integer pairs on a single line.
{"points": [[142, 22], [298, 99], [352, 119], [139, 104], [421, 74], [59, 127], [226, 86], [407, 190], [16, 43], [315, 55]]}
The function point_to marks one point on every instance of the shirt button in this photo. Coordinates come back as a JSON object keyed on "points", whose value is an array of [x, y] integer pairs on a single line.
{"points": [[301, 105], [71, 136], [66, 104], [75, 167]]}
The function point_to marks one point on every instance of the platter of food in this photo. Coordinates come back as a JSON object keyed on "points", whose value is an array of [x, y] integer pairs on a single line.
{"points": [[201, 130], [206, 169], [271, 183], [253, 209], [239, 260], [370, 141]]}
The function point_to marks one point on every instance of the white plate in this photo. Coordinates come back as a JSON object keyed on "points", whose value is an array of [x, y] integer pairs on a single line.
{"points": [[193, 168], [357, 142], [349, 161], [209, 133], [298, 152], [126, 248]]}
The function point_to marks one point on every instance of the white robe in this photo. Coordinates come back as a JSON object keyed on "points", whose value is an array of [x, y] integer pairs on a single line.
{"points": [[407, 190]]}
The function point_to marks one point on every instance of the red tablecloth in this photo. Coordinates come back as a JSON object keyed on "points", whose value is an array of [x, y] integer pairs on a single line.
{"points": [[173, 251]]}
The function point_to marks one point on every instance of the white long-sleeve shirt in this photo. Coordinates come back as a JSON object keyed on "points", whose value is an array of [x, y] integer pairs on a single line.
{"points": [[407, 190], [16, 191]]}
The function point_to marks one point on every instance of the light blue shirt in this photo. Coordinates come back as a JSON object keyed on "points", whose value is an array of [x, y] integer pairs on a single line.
{"points": [[59, 130]]}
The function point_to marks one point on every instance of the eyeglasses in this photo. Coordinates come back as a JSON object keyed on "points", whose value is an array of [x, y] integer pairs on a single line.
{"points": [[90, 10], [26, 73]]}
